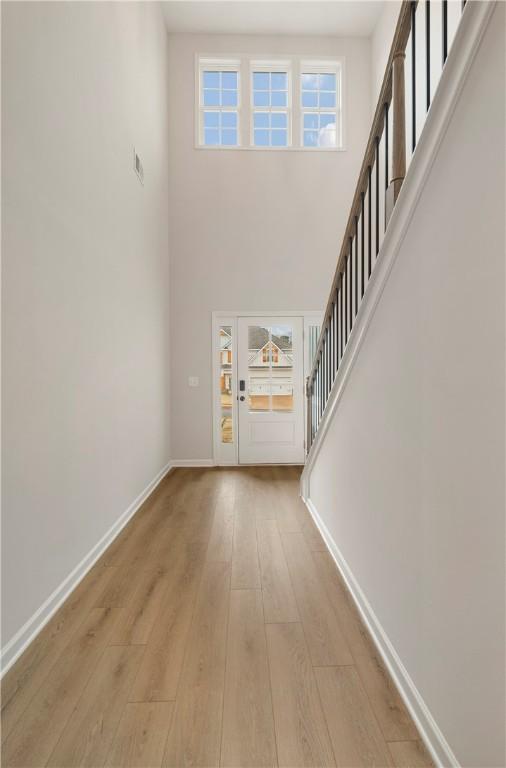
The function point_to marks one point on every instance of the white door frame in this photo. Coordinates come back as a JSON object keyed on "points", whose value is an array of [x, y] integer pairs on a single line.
{"points": [[228, 454]]}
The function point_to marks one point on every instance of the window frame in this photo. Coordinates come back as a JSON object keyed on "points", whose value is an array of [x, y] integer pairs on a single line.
{"points": [[318, 67], [269, 66], [295, 66], [206, 63]]}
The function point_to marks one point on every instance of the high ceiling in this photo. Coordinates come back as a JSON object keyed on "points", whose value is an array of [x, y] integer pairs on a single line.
{"points": [[273, 17]]}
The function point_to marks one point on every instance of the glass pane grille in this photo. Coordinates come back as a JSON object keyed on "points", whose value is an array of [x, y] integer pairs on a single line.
{"points": [[220, 127], [220, 99], [319, 100], [226, 411], [270, 368], [270, 109]]}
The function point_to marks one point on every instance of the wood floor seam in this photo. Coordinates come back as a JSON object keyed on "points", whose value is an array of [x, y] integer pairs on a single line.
{"points": [[270, 683], [215, 631], [225, 668], [67, 720]]}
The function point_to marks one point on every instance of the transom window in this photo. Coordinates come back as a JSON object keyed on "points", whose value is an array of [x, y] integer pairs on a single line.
{"points": [[319, 104], [290, 104], [270, 89], [270, 97], [219, 103]]}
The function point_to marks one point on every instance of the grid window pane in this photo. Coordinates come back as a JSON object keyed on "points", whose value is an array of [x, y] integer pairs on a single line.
{"points": [[220, 90], [310, 138], [220, 129], [229, 136], [328, 82], [311, 120], [278, 119], [320, 130], [226, 389], [327, 100], [261, 138], [270, 129], [309, 82], [229, 80], [229, 98], [211, 136], [327, 136], [279, 81], [211, 79], [326, 120], [211, 98], [270, 98], [319, 98], [270, 115], [261, 98], [211, 119], [270, 89], [309, 99], [279, 98], [279, 138], [261, 119], [260, 81], [229, 119], [270, 368]]}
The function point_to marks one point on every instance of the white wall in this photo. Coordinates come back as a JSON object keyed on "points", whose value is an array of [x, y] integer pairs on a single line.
{"points": [[85, 282], [250, 230], [381, 42], [410, 477]]}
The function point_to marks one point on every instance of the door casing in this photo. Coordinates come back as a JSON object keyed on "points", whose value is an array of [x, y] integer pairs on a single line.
{"points": [[228, 454]]}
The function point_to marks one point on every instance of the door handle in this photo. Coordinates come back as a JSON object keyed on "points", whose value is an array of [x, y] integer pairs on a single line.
{"points": [[242, 398]]}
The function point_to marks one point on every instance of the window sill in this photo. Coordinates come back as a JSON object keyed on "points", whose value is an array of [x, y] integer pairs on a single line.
{"points": [[268, 149]]}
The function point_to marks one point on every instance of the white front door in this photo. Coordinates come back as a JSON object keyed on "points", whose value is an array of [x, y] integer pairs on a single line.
{"points": [[270, 390]]}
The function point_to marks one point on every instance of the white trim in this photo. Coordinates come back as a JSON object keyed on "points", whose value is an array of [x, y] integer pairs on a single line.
{"points": [[336, 67], [243, 148], [193, 463], [267, 67], [29, 631], [467, 39], [287, 450], [220, 65], [244, 109], [223, 453], [250, 313], [310, 321], [222, 317], [428, 729], [465, 45]]}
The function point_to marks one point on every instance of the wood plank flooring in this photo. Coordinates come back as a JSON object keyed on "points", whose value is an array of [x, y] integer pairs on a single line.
{"points": [[215, 631]]}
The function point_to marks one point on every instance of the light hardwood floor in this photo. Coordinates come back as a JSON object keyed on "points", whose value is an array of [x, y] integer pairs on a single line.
{"points": [[215, 630]]}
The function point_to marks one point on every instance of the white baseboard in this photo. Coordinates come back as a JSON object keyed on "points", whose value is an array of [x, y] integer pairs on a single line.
{"points": [[430, 733], [193, 463], [28, 632]]}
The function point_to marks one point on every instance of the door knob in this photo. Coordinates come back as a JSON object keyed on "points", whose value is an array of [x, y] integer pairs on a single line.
{"points": [[242, 398]]}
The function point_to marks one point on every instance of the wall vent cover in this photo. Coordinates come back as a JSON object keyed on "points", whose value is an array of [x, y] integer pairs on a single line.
{"points": [[139, 170]]}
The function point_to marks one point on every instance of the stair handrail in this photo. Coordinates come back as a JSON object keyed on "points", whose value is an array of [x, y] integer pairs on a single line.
{"points": [[336, 324]]}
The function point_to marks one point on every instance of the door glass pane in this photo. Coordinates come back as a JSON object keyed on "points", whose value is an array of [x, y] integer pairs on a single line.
{"points": [[226, 425], [259, 374], [282, 368], [270, 368]]}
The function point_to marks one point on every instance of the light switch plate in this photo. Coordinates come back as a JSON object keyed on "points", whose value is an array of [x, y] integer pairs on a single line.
{"points": [[193, 381]]}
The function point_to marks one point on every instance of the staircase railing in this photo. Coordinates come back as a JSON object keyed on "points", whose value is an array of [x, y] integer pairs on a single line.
{"points": [[380, 179]]}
